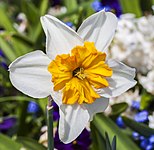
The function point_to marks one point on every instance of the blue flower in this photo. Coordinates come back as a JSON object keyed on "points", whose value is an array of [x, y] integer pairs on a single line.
{"points": [[4, 65], [149, 147], [144, 143], [108, 5], [1, 53], [7, 123], [55, 112], [2, 60], [151, 139], [141, 116], [114, 5], [81, 143], [33, 107], [135, 105], [135, 135], [142, 137], [97, 6], [70, 24], [120, 122]]}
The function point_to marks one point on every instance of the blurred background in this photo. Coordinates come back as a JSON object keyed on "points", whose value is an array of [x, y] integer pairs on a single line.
{"points": [[129, 117]]}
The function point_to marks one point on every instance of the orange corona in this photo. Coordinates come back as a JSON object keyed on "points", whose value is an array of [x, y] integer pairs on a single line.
{"points": [[78, 73]]}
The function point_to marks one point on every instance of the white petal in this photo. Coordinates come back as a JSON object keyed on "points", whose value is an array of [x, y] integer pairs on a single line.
{"points": [[60, 38], [98, 106], [121, 80], [73, 119], [56, 95], [29, 74], [99, 28]]}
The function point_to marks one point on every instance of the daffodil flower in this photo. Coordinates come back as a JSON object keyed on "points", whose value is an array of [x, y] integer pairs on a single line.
{"points": [[75, 71]]}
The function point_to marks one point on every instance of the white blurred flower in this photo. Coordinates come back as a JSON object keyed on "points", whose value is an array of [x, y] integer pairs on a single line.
{"points": [[147, 81], [134, 42], [23, 148], [44, 136], [151, 120], [146, 26], [23, 23], [127, 16], [127, 97], [57, 10]]}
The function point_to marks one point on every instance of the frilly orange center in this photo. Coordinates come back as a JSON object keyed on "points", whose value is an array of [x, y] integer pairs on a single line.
{"points": [[79, 73]]}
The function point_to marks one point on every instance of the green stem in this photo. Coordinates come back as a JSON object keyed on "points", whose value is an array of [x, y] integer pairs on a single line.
{"points": [[22, 120], [50, 124]]}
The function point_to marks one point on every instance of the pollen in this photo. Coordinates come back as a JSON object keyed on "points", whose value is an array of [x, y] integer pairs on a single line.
{"points": [[78, 74]]}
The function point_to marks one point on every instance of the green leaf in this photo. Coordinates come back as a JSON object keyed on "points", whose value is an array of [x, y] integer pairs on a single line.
{"points": [[15, 98], [103, 123], [146, 100], [43, 7], [131, 6], [30, 144], [8, 51], [98, 141], [7, 143], [114, 143], [43, 103], [119, 108], [138, 127], [5, 22], [146, 5], [21, 47], [23, 39], [84, 6], [108, 145], [70, 5], [35, 32], [19, 44], [32, 13]]}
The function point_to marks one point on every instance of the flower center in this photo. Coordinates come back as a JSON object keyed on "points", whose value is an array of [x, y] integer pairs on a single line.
{"points": [[79, 73]]}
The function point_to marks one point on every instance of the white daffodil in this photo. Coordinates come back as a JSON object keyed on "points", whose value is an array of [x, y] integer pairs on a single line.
{"points": [[74, 71]]}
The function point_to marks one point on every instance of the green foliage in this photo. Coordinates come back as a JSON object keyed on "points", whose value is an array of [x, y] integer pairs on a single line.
{"points": [[108, 145], [103, 124], [138, 127], [30, 144], [100, 142], [5, 22], [114, 144], [43, 7], [15, 98], [70, 5], [146, 100], [118, 108], [7, 50], [131, 7], [31, 11], [7, 144]]}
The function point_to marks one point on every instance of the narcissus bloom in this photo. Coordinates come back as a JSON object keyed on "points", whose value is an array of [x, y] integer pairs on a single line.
{"points": [[75, 71]]}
